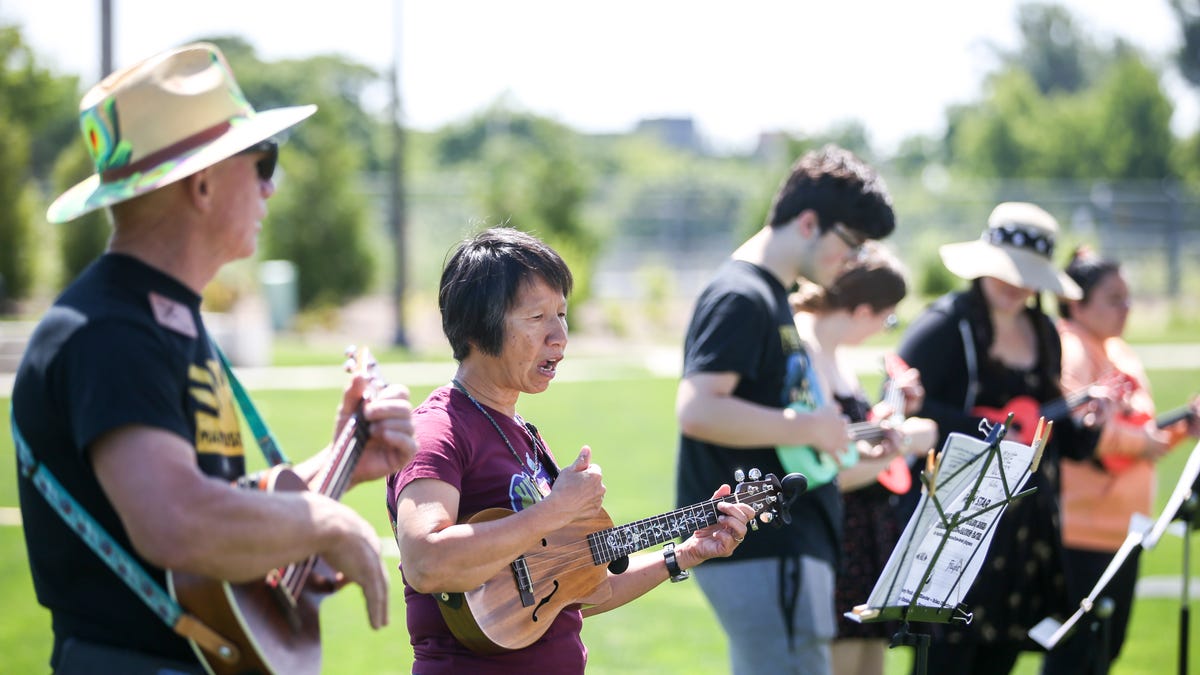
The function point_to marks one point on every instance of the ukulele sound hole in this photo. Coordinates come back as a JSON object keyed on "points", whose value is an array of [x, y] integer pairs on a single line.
{"points": [[545, 600]]}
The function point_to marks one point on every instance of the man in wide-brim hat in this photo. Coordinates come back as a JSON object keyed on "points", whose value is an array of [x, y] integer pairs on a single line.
{"points": [[121, 399]]}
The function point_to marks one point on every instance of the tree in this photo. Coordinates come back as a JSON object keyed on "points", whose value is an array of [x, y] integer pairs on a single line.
{"points": [[1052, 51], [1134, 139], [36, 100], [1187, 57], [318, 220], [16, 216], [530, 178], [82, 240], [36, 121], [986, 136], [1115, 128]]}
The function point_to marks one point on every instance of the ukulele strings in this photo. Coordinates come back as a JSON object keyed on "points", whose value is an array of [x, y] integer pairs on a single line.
{"points": [[578, 555], [582, 554], [872, 431], [333, 484]]}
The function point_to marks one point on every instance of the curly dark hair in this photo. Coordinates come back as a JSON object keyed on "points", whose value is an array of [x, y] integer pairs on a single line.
{"points": [[480, 283], [841, 188]]}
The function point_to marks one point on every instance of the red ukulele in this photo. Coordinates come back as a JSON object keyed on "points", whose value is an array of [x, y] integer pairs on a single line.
{"points": [[1026, 410]]}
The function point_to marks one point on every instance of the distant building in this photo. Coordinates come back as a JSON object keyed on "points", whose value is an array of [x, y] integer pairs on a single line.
{"points": [[772, 146], [676, 132]]}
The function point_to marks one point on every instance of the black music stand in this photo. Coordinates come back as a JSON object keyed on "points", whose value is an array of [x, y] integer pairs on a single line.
{"points": [[943, 546], [1182, 505], [1097, 608]]}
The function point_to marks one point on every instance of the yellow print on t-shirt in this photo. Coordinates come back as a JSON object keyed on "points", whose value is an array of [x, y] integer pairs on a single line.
{"points": [[217, 429]]}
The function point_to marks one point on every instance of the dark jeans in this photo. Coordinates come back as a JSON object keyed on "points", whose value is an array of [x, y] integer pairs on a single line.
{"points": [[88, 658], [1079, 653]]}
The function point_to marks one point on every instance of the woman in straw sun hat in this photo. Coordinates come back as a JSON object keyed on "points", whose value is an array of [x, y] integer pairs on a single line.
{"points": [[978, 350], [121, 396]]}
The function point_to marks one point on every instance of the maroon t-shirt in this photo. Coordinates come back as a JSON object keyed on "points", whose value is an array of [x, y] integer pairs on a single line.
{"points": [[459, 446]]}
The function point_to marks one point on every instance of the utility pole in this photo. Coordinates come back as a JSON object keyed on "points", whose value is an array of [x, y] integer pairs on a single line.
{"points": [[106, 61], [398, 206]]}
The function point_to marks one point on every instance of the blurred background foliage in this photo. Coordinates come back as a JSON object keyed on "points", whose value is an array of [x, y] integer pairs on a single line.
{"points": [[1080, 125]]}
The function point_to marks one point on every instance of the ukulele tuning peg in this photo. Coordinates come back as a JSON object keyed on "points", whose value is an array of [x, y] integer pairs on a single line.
{"points": [[348, 352], [755, 474], [739, 475]]}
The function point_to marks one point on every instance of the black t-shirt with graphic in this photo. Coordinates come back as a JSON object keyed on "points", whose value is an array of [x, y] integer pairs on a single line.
{"points": [[124, 345], [742, 323]]}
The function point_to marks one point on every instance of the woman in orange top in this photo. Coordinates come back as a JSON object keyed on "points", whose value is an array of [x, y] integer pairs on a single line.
{"points": [[1099, 496]]}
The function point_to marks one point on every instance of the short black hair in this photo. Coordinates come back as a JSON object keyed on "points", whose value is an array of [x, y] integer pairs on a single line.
{"points": [[840, 188], [480, 283]]}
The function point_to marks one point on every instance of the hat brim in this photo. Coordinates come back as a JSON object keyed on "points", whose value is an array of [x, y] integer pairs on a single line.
{"points": [[92, 194], [975, 259]]}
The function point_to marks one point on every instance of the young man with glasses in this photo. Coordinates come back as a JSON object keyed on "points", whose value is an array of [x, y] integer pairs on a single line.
{"points": [[744, 365], [122, 399]]}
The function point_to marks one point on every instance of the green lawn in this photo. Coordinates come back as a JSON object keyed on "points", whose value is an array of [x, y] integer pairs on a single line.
{"points": [[630, 426]]}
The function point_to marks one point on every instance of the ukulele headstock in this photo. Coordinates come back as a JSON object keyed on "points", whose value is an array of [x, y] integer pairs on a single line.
{"points": [[893, 397], [769, 496], [360, 360]]}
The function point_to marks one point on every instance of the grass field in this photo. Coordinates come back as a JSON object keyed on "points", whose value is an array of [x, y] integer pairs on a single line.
{"points": [[630, 425]]}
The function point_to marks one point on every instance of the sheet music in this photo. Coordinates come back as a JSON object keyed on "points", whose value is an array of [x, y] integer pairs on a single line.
{"points": [[948, 574]]}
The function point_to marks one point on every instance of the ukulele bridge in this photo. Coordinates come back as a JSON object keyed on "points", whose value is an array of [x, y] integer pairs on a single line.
{"points": [[284, 600], [524, 583]]}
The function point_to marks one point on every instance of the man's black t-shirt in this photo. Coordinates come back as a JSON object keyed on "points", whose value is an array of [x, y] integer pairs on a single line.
{"points": [[743, 324], [124, 345]]}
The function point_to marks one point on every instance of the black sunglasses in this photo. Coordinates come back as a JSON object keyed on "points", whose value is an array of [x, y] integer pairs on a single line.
{"points": [[270, 157]]}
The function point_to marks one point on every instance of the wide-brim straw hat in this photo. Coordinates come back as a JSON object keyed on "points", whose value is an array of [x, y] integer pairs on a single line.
{"points": [[1017, 248], [162, 120]]}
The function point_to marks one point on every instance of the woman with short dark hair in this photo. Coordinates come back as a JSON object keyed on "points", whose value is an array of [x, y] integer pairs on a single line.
{"points": [[503, 301]]}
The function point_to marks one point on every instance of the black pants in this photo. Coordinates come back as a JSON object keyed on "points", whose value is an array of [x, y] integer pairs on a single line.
{"points": [[88, 658], [972, 658], [1079, 653]]}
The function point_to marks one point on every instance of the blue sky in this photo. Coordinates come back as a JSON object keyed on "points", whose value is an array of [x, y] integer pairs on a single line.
{"points": [[737, 68]]}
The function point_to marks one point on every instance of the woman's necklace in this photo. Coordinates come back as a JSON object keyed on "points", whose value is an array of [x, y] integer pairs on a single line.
{"points": [[522, 462]]}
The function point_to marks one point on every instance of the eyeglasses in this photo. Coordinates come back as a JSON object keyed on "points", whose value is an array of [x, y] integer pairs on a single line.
{"points": [[853, 241], [270, 157]]}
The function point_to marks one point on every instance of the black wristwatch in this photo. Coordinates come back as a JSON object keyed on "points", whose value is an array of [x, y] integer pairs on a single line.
{"points": [[677, 574]]}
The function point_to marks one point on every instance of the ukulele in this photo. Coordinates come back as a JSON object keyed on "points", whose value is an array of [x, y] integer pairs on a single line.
{"points": [[821, 468], [516, 607], [1027, 411], [273, 622]]}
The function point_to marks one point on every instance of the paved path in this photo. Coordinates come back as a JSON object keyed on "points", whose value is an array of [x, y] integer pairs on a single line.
{"points": [[639, 361]]}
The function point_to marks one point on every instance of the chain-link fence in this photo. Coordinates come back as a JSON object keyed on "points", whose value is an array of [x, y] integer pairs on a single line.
{"points": [[666, 250]]}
